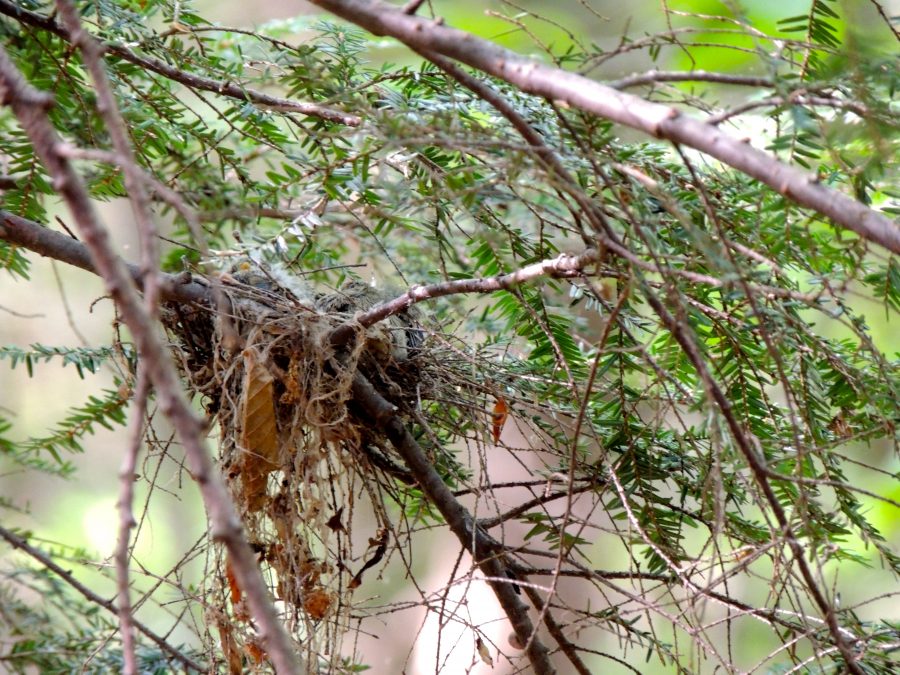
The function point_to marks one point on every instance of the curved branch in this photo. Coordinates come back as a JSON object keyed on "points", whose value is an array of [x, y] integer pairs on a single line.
{"points": [[654, 119], [562, 266]]}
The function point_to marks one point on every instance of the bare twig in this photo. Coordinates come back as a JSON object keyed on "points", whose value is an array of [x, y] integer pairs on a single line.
{"points": [[30, 107], [561, 267], [20, 315], [888, 21], [524, 507], [46, 561], [777, 101], [412, 6], [655, 119], [127, 521]]}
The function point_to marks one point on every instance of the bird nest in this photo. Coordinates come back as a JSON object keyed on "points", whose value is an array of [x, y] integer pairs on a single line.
{"points": [[306, 470]]}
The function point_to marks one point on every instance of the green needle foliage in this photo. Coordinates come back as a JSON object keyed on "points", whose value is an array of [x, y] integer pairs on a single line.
{"points": [[61, 629], [668, 545]]}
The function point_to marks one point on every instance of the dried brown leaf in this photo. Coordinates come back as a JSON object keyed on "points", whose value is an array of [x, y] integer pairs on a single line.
{"points": [[317, 603], [483, 652], [259, 430]]}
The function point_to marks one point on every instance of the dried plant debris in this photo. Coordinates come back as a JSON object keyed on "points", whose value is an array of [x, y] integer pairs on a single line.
{"points": [[301, 465]]}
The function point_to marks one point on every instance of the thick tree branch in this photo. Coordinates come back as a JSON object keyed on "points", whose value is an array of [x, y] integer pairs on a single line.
{"points": [[47, 562], [46, 242], [655, 119], [483, 549], [180, 288], [30, 107], [229, 89]]}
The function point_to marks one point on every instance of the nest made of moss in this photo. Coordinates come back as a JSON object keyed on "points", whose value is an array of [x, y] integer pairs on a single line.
{"points": [[298, 458]]}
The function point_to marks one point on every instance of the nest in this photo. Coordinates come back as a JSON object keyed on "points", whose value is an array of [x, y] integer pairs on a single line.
{"points": [[299, 460]]}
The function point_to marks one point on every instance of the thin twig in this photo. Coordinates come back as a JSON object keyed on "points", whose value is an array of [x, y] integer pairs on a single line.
{"points": [[127, 521], [573, 461], [19, 543], [412, 6], [563, 266], [92, 55], [778, 101], [654, 76], [482, 548], [524, 507]]}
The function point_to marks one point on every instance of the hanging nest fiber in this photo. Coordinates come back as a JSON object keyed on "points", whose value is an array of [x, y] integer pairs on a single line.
{"points": [[299, 460]]}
